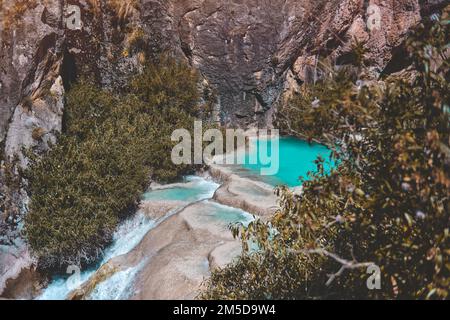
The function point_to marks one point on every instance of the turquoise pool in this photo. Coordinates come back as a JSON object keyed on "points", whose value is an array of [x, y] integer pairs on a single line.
{"points": [[296, 159], [194, 189]]}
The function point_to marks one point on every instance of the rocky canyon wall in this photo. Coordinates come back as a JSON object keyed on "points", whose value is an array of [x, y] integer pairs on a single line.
{"points": [[250, 51]]}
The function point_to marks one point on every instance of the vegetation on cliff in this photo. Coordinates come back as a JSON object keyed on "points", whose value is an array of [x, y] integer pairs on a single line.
{"points": [[387, 204], [111, 146]]}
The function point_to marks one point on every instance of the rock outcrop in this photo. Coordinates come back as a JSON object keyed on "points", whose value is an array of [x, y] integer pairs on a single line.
{"points": [[251, 196], [44, 48], [252, 51], [42, 51]]}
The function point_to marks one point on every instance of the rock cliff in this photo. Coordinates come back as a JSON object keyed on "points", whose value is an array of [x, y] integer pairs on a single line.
{"points": [[249, 51]]}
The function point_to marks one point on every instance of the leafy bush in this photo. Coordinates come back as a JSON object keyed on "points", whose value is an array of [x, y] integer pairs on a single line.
{"points": [[315, 112], [169, 83], [112, 145], [387, 204]]}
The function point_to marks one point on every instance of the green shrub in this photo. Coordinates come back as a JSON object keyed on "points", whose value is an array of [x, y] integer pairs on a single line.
{"points": [[386, 204], [169, 83], [111, 147]]}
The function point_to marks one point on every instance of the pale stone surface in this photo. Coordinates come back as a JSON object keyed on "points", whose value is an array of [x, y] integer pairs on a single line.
{"points": [[45, 115], [251, 196], [13, 259], [175, 258], [157, 209]]}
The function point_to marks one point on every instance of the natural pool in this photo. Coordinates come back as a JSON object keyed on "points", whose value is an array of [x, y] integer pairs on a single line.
{"points": [[296, 159], [193, 189]]}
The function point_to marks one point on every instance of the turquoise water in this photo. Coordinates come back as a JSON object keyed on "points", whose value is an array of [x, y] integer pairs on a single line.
{"points": [[226, 215], [195, 188], [127, 236], [296, 159]]}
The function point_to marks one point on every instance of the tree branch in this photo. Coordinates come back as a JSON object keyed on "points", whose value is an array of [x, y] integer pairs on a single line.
{"points": [[346, 264]]}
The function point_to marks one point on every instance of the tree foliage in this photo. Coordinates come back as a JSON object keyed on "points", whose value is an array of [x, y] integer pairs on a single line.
{"points": [[386, 204]]}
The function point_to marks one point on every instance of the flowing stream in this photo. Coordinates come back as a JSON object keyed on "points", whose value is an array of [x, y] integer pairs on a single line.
{"points": [[128, 235]]}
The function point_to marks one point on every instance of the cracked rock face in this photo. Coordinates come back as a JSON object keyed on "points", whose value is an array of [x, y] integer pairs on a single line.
{"points": [[23, 43], [234, 44], [41, 55], [249, 51], [252, 51]]}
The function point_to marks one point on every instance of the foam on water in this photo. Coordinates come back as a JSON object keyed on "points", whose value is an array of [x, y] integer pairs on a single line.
{"points": [[195, 189], [60, 287], [117, 287]]}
